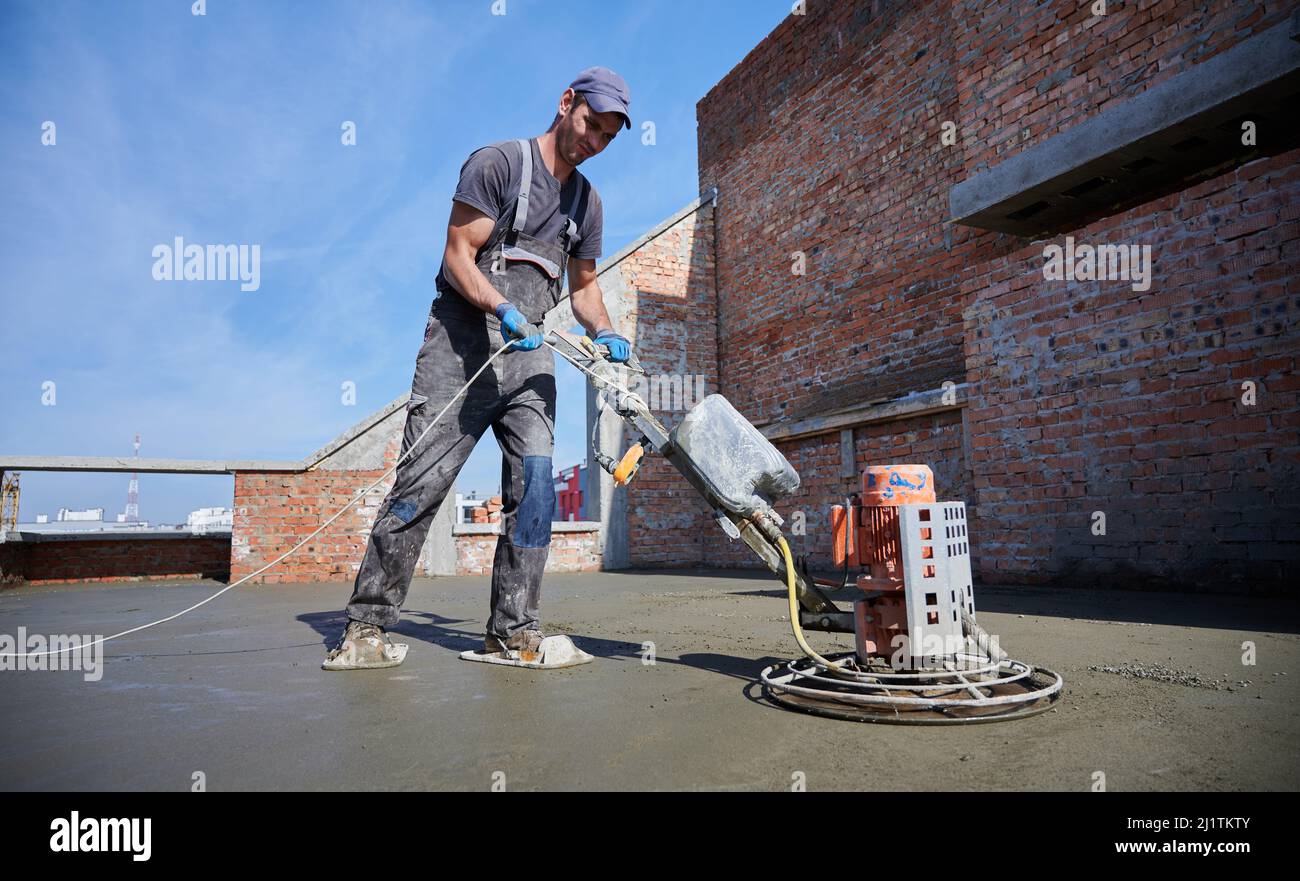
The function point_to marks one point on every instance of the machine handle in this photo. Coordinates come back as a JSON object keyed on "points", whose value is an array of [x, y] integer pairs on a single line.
{"points": [[600, 352], [528, 330], [628, 465]]}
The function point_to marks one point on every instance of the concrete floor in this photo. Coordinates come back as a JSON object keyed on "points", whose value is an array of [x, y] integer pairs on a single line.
{"points": [[234, 690]]}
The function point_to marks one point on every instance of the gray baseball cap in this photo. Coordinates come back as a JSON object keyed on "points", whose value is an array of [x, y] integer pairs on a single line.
{"points": [[605, 91]]}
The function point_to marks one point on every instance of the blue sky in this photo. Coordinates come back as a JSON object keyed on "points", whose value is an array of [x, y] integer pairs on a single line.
{"points": [[225, 128]]}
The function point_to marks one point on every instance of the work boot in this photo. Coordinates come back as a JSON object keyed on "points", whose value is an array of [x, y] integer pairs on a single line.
{"points": [[525, 641], [529, 648], [364, 646]]}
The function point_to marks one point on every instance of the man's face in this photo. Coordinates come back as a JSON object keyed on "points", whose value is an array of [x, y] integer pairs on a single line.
{"points": [[583, 132]]}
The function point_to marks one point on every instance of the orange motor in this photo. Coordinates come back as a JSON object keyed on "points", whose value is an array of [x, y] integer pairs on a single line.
{"points": [[880, 550], [884, 488], [844, 531], [897, 485]]}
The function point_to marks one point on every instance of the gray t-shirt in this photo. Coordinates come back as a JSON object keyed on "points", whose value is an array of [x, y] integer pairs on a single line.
{"points": [[489, 181]]}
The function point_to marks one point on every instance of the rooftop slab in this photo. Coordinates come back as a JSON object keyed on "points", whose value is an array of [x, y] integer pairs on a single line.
{"points": [[234, 690]]}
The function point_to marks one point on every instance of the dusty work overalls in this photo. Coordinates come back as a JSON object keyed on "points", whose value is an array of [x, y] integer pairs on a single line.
{"points": [[515, 396]]}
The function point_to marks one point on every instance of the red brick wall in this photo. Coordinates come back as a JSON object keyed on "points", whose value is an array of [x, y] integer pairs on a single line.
{"points": [[114, 559], [817, 144], [1025, 72], [825, 140], [570, 552], [274, 511], [674, 329], [1094, 397]]}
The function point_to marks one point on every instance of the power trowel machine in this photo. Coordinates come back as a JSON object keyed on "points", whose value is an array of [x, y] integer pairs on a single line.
{"points": [[920, 657]]}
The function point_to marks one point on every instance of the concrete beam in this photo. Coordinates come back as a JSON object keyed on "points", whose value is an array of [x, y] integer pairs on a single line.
{"points": [[1175, 130], [916, 404], [144, 465]]}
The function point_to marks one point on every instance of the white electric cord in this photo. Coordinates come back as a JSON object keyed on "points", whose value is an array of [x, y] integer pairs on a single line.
{"points": [[359, 495], [600, 379]]}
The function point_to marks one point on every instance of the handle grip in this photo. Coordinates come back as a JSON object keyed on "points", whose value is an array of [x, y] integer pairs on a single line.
{"points": [[529, 330], [628, 465], [601, 351]]}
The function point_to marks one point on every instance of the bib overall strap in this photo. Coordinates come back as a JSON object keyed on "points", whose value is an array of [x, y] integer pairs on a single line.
{"points": [[570, 227], [570, 230], [525, 184]]}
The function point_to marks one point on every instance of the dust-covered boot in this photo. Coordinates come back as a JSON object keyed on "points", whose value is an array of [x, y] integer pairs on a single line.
{"points": [[364, 646], [525, 642], [529, 648]]}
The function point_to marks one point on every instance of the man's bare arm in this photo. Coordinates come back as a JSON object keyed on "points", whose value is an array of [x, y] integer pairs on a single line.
{"points": [[467, 230], [588, 301]]}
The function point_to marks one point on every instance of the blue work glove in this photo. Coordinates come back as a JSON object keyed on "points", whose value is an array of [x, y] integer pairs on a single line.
{"points": [[619, 347], [514, 326]]}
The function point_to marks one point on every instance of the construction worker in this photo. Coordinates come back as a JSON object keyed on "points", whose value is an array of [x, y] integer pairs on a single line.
{"points": [[522, 215]]}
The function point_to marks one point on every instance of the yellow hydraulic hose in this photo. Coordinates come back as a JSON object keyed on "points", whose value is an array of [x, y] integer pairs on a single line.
{"points": [[794, 611]]}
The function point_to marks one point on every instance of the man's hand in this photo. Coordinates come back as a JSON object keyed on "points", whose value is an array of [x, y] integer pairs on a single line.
{"points": [[620, 349], [515, 326]]}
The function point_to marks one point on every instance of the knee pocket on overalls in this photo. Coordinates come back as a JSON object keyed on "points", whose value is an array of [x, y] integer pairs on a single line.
{"points": [[537, 507], [416, 402], [403, 509]]}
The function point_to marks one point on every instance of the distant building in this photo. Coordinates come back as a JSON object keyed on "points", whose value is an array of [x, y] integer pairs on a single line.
{"points": [[571, 494], [210, 520], [465, 504], [90, 520], [67, 514]]}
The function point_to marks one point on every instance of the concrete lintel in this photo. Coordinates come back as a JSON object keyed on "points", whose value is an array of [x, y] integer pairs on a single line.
{"points": [[1262, 67], [144, 465], [915, 404]]}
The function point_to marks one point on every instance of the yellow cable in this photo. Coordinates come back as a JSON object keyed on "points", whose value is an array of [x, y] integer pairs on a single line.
{"points": [[794, 612]]}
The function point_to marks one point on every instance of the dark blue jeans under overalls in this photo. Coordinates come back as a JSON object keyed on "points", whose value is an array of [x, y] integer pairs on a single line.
{"points": [[515, 396]]}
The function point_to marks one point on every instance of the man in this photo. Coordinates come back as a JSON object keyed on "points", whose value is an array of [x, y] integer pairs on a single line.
{"points": [[519, 218]]}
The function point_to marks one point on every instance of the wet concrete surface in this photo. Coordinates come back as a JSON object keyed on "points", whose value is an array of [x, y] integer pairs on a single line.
{"points": [[234, 690]]}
